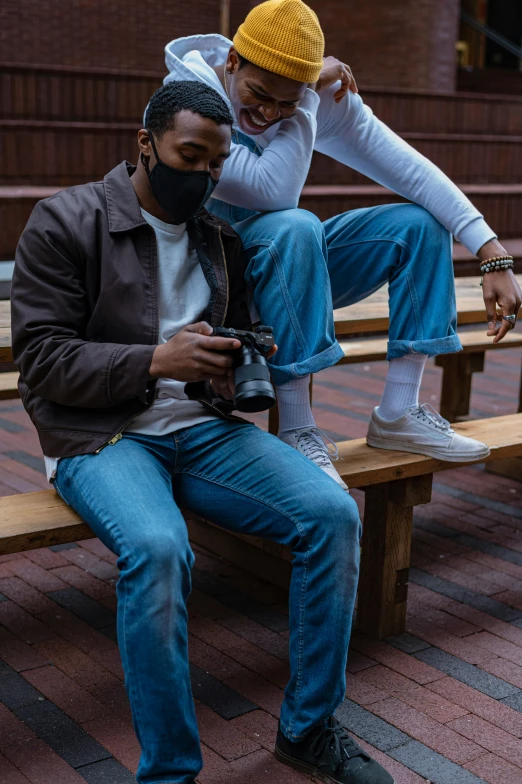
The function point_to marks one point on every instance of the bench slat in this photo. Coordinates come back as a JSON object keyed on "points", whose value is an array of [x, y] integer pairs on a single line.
{"points": [[371, 315], [361, 465], [8, 386], [41, 519], [374, 349]]}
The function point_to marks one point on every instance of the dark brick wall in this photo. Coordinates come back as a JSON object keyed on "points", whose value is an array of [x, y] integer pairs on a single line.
{"points": [[401, 43], [124, 34]]}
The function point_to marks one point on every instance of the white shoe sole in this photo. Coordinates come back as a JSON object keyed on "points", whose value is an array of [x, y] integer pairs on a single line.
{"points": [[437, 454]]}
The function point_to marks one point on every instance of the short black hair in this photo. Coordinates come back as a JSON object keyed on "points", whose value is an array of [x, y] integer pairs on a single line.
{"points": [[174, 97]]}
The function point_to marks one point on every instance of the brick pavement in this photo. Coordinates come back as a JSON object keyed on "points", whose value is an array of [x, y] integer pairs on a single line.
{"points": [[442, 703]]}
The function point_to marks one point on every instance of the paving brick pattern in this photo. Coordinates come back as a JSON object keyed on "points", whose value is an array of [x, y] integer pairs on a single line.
{"points": [[441, 703]]}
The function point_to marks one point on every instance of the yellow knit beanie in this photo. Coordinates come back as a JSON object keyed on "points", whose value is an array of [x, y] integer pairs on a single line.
{"points": [[285, 37]]}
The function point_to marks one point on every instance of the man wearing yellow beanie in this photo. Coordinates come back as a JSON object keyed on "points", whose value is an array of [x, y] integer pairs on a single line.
{"points": [[287, 102]]}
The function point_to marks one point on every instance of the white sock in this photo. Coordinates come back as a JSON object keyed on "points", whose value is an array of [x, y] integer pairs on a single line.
{"points": [[402, 385], [293, 400]]}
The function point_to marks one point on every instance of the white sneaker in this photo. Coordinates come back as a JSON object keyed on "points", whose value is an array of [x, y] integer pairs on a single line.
{"points": [[310, 441], [423, 431]]}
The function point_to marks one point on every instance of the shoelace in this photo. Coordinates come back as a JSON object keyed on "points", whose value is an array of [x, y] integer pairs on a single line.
{"points": [[335, 740], [317, 446], [426, 413]]}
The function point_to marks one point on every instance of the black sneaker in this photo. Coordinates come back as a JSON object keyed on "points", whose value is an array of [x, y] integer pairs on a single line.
{"points": [[331, 755]]}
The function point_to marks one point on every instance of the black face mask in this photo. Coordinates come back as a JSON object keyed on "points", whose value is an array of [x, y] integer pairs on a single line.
{"points": [[180, 193]]}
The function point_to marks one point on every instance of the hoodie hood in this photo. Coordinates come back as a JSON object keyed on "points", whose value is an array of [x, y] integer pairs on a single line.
{"points": [[194, 57]]}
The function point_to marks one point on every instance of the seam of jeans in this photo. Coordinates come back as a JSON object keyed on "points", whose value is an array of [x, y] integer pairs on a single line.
{"points": [[300, 646], [415, 305], [349, 243], [248, 495], [272, 249]]}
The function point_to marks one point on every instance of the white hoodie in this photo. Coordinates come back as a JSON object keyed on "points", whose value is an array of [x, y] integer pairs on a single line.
{"points": [[347, 131]]}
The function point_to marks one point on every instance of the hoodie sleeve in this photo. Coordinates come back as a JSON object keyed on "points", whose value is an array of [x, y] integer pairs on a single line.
{"points": [[350, 133], [274, 180]]}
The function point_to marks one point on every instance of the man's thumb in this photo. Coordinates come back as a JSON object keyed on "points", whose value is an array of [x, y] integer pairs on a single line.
{"points": [[201, 328]]}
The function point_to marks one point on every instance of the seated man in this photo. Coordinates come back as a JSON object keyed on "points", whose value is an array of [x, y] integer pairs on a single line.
{"points": [[116, 289], [287, 102]]}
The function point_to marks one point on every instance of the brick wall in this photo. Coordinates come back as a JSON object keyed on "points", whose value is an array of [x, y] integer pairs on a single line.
{"points": [[126, 34], [401, 43]]}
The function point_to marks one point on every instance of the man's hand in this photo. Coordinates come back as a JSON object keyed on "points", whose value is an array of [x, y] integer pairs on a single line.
{"points": [[499, 289], [224, 385], [333, 70], [193, 355]]}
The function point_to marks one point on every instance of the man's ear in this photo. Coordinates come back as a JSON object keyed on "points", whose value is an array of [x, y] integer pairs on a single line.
{"points": [[233, 63], [144, 142]]}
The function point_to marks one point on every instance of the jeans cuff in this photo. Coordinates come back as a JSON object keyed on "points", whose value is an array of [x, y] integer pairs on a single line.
{"points": [[448, 345], [283, 373]]}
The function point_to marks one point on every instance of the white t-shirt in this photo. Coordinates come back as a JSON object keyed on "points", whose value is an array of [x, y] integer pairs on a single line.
{"points": [[183, 295]]}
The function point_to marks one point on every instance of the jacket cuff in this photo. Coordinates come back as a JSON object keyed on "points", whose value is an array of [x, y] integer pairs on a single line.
{"points": [[476, 234], [128, 374]]}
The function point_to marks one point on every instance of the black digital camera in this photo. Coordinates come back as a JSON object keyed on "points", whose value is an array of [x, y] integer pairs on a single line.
{"points": [[254, 391]]}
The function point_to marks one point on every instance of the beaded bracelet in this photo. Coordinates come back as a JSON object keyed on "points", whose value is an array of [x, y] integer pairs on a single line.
{"points": [[496, 263]]}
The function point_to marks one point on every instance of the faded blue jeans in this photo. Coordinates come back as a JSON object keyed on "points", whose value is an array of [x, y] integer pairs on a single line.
{"points": [[301, 269], [248, 481]]}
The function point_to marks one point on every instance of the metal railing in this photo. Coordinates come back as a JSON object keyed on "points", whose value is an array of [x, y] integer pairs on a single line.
{"points": [[498, 38]]}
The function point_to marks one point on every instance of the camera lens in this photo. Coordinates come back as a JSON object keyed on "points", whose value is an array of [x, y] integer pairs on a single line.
{"points": [[254, 391]]}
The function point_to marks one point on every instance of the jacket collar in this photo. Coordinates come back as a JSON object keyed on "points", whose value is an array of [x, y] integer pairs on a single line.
{"points": [[123, 207]]}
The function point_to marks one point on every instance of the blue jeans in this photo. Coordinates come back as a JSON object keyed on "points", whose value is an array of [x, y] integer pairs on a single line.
{"points": [[245, 480], [301, 269]]}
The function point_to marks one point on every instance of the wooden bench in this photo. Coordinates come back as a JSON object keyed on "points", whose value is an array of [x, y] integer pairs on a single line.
{"points": [[371, 316], [394, 482]]}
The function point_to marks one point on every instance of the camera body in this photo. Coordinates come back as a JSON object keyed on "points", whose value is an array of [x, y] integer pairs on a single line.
{"points": [[254, 390]]}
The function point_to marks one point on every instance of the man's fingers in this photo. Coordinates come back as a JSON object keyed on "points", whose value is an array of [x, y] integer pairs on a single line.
{"points": [[201, 328], [509, 308], [353, 84], [502, 332], [491, 309], [494, 322], [219, 344], [213, 359], [346, 82]]}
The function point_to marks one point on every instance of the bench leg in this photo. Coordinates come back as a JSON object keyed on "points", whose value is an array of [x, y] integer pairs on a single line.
{"points": [[386, 547], [458, 371], [511, 467], [273, 413]]}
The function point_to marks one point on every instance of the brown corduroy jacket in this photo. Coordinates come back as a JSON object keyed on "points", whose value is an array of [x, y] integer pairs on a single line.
{"points": [[84, 303]]}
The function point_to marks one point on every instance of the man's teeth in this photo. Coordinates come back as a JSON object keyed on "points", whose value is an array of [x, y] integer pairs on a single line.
{"points": [[257, 122]]}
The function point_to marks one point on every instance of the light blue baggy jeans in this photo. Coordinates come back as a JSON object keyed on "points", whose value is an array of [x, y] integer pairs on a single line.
{"points": [[300, 269], [248, 481]]}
